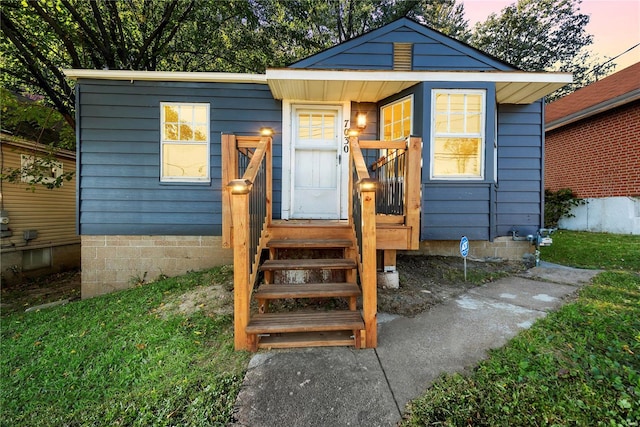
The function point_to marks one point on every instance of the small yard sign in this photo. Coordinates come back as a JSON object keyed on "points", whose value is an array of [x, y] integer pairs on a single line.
{"points": [[464, 246], [464, 251]]}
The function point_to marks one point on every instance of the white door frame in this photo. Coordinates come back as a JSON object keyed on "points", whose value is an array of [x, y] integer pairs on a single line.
{"points": [[288, 109]]}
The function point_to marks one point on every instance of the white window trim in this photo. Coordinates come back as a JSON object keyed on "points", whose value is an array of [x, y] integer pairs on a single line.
{"points": [[27, 161], [400, 100], [207, 143], [483, 141]]}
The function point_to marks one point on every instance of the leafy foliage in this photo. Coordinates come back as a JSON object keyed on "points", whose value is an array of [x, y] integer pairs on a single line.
{"points": [[542, 35], [558, 204], [33, 120], [38, 170], [42, 37]]}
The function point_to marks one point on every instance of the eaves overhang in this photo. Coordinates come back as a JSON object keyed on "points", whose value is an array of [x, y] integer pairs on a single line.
{"points": [[165, 76], [512, 87]]}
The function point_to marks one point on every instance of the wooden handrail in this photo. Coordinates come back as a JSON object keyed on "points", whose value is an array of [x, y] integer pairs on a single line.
{"points": [[244, 255], [398, 143], [397, 152], [366, 193]]}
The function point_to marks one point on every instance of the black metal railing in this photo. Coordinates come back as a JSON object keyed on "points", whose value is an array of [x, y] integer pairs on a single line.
{"points": [[389, 171], [244, 158], [257, 212], [356, 211]]}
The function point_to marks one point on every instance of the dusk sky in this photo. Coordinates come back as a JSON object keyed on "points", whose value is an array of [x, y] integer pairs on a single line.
{"points": [[614, 24]]}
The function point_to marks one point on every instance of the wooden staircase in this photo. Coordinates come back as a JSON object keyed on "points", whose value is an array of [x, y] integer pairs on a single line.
{"points": [[307, 261]]}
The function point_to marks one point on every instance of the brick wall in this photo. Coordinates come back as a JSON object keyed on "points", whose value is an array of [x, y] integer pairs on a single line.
{"points": [[598, 156], [111, 263]]}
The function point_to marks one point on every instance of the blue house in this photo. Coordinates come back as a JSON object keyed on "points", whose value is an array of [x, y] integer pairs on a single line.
{"points": [[400, 139]]}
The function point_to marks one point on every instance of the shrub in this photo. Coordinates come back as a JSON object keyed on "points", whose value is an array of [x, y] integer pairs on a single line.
{"points": [[558, 204]]}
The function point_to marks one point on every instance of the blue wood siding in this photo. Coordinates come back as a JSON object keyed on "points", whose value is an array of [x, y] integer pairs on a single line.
{"points": [[494, 207], [431, 51], [520, 148], [452, 210], [119, 130]]}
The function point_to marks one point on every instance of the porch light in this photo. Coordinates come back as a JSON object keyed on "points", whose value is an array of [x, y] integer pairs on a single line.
{"points": [[240, 186], [361, 121], [367, 184], [351, 132], [266, 131]]}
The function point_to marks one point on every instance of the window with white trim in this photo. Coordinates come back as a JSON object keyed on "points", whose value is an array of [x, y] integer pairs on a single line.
{"points": [[457, 134], [396, 119], [40, 170], [184, 151]]}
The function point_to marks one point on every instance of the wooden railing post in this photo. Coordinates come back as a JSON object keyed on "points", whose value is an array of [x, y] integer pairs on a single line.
{"points": [[413, 187], [368, 278], [229, 173], [239, 190]]}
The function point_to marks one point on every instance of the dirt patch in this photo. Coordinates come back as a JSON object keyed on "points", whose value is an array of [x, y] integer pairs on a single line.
{"points": [[429, 280], [424, 282], [43, 290], [213, 299]]}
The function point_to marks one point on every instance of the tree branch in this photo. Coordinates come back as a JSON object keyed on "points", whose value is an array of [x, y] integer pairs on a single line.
{"points": [[88, 32], [66, 40], [117, 33], [166, 16], [108, 43], [158, 47], [29, 60]]}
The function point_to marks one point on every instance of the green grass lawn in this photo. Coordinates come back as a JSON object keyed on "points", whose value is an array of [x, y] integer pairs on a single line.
{"points": [[133, 358], [128, 358], [594, 250], [578, 366]]}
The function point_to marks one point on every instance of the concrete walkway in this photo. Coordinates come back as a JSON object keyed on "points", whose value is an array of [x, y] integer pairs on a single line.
{"points": [[347, 387]]}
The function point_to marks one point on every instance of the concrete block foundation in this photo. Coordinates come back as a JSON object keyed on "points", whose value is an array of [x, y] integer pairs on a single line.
{"points": [[502, 247], [111, 263]]}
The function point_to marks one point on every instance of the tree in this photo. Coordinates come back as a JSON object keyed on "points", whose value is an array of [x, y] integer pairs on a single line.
{"points": [[540, 35], [42, 37]]}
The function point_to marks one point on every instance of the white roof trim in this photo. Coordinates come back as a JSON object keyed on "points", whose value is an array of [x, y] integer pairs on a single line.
{"points": [[512, 87], [171, 76], [418, 76]]}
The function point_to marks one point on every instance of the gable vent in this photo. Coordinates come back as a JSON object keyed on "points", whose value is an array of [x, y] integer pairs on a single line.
{"points": [[402, 56]]}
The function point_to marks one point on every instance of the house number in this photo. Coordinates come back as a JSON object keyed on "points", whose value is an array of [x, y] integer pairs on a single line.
{"points": [[345, 148]]}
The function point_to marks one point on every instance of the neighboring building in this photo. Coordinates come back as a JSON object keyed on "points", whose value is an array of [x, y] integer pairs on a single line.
{"points": [[457, 149], [38, 227], [593, 148]]}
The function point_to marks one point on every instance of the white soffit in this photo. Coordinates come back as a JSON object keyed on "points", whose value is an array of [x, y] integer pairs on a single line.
{"points": [[165, 76], [514, 87]]}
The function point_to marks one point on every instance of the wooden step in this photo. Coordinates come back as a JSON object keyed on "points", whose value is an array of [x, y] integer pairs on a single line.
{"points": [[309, 243], [308, 339], [310, 230], [317, 321], [308, 264], [307, 290]]}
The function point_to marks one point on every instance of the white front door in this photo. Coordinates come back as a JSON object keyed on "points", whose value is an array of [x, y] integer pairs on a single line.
{"points": [[316, 167]]}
